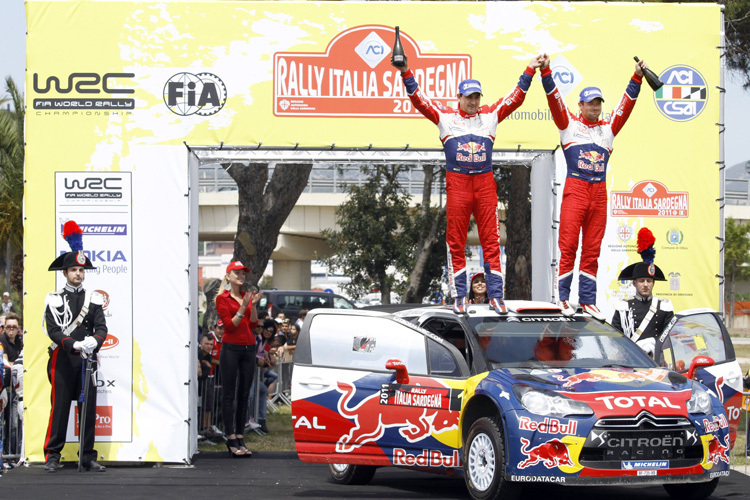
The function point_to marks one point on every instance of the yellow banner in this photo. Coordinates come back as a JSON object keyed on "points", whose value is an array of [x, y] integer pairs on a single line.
{"points": [[119, 86]]}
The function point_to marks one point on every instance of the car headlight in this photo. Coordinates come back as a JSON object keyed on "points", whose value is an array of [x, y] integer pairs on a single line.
{"points": [[549, 403], [700, 400]]}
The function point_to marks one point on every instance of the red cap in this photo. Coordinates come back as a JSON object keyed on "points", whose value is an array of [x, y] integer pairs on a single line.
{"points": [[233, 266], [219, 322]]}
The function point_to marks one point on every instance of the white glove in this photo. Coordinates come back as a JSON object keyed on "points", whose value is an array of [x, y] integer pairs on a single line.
{"points": [[78, 345], [90, 343], [647, 345]]}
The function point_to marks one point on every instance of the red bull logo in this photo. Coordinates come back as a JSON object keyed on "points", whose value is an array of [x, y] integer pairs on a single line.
{"points": [[371, 419], [718, 451], [650, 375], [428, 458], [551, 454], [591, 160], [470, 152]]}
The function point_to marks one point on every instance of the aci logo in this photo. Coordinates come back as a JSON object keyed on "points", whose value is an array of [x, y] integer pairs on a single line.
{"points": [[565, 75], [203, 94], [372, 49], [684, 94]]}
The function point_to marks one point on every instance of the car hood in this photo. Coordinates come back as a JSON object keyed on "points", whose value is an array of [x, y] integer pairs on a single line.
{"points": [[598, 379]]}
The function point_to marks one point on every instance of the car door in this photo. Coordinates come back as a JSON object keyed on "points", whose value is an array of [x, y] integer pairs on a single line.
{"points": [[348, 407], [702, 333]]}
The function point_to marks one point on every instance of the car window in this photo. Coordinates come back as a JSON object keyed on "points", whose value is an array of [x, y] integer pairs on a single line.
{"points": [[263, 302], [342, 303], [442, 362], [365, 343], [543, 343], [691, 336], [293, 303]]}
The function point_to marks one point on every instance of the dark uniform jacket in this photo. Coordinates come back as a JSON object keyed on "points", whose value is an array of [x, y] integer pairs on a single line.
{"points": [[63, 307], [630, 313]]}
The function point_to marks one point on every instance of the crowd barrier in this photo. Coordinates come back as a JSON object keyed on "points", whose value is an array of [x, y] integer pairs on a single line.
{"points": [[210, 425], [11, 422]]}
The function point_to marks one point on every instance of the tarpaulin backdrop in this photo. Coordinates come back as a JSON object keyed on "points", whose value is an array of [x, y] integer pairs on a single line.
{"points": [[114, 88]]}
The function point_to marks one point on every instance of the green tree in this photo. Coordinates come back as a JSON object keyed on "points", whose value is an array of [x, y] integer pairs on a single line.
{"points": [[424, 265], [370, 240], [11, 183], [736, 258], [737, 37]]}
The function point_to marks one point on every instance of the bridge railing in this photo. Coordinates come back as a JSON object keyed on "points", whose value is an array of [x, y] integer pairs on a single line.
{"points": [[324, 178]]}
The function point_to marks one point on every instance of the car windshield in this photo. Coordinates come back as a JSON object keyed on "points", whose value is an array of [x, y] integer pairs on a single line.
{"points": [[554, 342]]}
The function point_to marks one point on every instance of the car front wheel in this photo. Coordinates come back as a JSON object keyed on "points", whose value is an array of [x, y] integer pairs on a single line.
{"points": [[484, 462], [351, 474]]}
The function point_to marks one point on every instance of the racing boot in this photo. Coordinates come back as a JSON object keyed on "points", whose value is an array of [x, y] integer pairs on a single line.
{"points": [[499, 306], [566, 308], [593, 311], [459, 306]]}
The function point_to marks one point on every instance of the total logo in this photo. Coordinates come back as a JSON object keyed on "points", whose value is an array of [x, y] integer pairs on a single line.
{"points": [[610, 402], [187, 94], [684, 94], [428, 458]]}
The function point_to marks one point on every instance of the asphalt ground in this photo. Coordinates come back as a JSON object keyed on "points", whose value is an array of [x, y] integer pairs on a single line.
{"points": [[276, 475]]}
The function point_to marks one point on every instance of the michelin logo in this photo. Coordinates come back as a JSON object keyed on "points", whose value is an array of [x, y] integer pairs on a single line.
{"points": [[113, 229]]}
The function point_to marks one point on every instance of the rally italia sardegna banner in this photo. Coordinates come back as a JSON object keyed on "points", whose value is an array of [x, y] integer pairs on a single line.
{"points": [[115, 89]]}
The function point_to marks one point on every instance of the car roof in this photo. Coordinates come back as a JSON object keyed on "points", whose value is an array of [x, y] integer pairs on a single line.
{"points": [[515, 308]]}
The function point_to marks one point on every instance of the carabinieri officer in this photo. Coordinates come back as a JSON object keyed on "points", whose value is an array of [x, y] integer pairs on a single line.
{"points": [[76, 325]]}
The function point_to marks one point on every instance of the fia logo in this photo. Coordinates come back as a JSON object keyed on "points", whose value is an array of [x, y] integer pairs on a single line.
{"points": [[187, 94]]}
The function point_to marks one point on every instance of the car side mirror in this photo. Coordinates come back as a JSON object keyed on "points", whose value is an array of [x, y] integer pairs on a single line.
{"points": [[402, 375], [699, 362]]}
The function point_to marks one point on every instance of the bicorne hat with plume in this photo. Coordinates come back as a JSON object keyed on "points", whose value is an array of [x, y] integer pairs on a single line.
{"points": [[74, 236], [647, 268]]}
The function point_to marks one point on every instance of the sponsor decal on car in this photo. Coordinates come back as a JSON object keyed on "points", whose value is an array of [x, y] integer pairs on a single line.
{"points": [[551, 454], [428, 458], [537, 479], [548, 426], [645, 464], [649, 375]]}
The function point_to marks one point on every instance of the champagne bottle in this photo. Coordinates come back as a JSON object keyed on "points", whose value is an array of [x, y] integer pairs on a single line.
{"points": [[651, 78], [398, 58]]}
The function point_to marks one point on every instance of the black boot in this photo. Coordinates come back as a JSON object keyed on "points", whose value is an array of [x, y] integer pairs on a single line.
{"points": [[52, 464], [263, 427]]}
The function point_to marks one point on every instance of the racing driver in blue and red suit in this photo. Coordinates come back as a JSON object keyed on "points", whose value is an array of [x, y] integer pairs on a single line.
{"points": [[468, 135], [587, 144]]}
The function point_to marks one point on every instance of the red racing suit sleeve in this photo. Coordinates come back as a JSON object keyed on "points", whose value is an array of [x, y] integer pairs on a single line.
{"points": [[504, 107], [622, 112]]}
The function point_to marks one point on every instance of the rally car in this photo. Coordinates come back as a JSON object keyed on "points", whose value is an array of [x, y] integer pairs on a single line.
{"points": [[533, 396]]}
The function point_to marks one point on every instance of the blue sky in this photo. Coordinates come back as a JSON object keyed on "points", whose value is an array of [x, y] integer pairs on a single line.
{"points": [[13, 63]]}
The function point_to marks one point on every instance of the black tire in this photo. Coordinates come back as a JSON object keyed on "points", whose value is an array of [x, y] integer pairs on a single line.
{"points": [[484, 462], [351, 474], [692, 491]]}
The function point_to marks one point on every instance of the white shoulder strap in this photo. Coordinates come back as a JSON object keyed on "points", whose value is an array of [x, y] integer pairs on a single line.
{"points": [[84, 311]]}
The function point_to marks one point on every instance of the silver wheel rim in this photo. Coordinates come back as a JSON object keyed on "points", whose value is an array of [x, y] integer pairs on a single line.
{"points": [[340, 468], [481, 461]]}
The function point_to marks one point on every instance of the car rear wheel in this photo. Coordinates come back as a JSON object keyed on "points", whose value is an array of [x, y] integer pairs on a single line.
{"points": [[692, 491], [351, 474], [484, 462]]}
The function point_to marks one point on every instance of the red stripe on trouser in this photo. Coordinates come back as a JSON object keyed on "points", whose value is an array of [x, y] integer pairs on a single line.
{"points": [[51, 374], [584, 209], [467, 195]]}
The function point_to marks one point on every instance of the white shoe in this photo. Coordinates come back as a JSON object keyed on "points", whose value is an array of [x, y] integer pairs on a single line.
{"points": [[593, 311], [566, 309], [251, 426]]}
